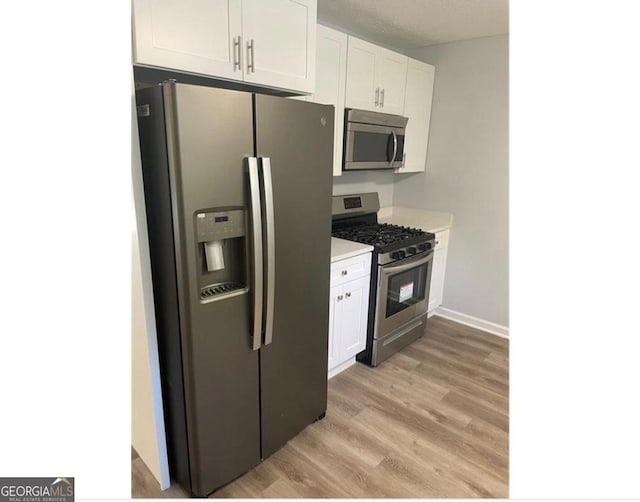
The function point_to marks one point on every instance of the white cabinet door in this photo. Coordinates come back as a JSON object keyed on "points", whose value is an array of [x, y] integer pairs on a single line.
{"points": [[279, 43], [348, 310], [353, 319], [376, 78], [189, 35], [437, 279], [334, 326], [331, 74], [391, 77], [417, 108], [361, 75]]}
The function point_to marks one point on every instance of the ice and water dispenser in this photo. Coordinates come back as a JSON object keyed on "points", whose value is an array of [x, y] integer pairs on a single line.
{"points": [[222, 253]]}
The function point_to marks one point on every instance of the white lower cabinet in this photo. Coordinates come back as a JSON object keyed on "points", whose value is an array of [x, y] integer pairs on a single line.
{"points": [[348, 311], [354, 299], [437, 272]]}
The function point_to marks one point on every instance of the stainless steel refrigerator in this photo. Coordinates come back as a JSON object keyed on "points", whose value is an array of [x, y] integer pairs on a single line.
{"points": [[238, 201]]}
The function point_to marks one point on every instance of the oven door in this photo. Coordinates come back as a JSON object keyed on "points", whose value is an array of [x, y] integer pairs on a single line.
{"points": [[403, 292], [370, 146]]}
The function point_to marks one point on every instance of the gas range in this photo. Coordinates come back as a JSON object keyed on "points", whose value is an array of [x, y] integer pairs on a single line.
{"points": [[401, 268], [390, 242]]}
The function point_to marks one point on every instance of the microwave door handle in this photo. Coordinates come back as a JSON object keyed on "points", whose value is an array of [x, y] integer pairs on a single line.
{"points": [[256, 225], [271, 249], [395, 148]]}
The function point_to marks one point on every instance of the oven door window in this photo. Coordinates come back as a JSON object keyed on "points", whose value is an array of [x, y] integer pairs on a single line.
{"points": [[405, 289]]}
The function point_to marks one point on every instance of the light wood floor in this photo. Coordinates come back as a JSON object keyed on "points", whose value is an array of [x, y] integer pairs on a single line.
{"points": [[430, 422]]}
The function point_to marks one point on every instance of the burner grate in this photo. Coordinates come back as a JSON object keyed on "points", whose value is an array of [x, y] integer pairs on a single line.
{"points": [[378, 235]]}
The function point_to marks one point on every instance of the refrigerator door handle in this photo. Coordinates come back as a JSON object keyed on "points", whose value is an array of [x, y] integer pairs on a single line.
{"points": [[256, 225], [271, 248]]}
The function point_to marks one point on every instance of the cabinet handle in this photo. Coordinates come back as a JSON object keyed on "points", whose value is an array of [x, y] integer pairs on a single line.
{"points": [[382, 98], [344, 272], [237, 44], [251, 62], [347, 294], [340, 297], [437, 242], [377, 96]]}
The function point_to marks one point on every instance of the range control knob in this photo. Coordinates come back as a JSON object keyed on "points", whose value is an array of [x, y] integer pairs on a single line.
{"points": [[395, 255], [402, 254], [411, 250], [422, 247]]}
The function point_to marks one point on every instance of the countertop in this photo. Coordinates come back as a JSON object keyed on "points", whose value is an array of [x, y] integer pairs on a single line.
{"points": [[341, 249], [429, 221]]}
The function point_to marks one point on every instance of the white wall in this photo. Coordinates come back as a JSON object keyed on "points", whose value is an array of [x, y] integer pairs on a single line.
{"points": [[147, 419], [467, 172], [366, 181]]}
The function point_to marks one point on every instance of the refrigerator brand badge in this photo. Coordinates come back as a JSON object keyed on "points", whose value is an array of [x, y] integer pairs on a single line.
{"points": [[323, 121], [36, 489], [143, 111]]}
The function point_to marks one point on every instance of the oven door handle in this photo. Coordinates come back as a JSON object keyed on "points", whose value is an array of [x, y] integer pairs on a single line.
{"points": [[386, 270], [395, 148]]}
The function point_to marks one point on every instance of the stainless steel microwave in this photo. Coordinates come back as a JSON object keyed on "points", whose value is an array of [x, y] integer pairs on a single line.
{"points": [[373, 140]]}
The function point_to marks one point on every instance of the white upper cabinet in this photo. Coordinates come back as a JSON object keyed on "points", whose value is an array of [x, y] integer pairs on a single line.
{"points": [[190, 35], [263, 42], [376, 78], [391, 71], [417, 108], [279, 38], [361, 75], [331, 75]]}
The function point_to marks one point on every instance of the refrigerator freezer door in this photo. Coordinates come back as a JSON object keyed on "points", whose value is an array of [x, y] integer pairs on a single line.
{"points": [[210, 134], [297, 137]]}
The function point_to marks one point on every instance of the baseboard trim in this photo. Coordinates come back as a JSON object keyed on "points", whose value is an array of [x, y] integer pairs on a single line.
{"points": [[474, 322], [341, 367]]}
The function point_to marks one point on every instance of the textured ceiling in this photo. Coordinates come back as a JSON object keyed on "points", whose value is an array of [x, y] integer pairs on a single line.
{"points": [[407, 24]]}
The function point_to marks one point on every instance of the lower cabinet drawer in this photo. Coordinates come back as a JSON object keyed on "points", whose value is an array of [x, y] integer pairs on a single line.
{"points": [[351, 268]]}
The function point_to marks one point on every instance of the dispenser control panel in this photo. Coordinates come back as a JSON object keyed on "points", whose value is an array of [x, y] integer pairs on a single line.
{"points": [[217, 225]]}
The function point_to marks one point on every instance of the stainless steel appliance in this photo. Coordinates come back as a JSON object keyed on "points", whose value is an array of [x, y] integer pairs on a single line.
{"points": [[373, 140], [238, 200], [400, 275]]}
